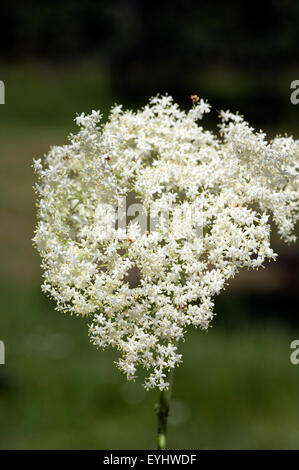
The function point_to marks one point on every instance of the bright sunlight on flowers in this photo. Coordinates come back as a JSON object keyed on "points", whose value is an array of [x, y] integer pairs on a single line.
{"points": [[210, 200]]}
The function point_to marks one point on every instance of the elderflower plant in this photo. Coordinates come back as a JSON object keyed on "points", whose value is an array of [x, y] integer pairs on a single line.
{"points": [[230, 186]]}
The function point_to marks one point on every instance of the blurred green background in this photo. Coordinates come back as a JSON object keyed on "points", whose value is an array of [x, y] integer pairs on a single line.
{"points": [[236, 388]]}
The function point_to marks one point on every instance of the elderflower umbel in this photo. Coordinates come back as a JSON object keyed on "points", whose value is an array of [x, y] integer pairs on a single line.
{"points": [[231, 185]]}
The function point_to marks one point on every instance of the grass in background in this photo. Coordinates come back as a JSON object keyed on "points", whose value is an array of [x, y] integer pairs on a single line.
{"points": [[235, 389], [40, 94]]}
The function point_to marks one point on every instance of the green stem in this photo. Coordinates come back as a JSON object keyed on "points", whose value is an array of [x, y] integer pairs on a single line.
{"points": [[162, 411]]}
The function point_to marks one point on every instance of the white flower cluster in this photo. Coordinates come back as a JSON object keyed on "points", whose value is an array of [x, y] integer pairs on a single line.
{"points": [[232, 184]]}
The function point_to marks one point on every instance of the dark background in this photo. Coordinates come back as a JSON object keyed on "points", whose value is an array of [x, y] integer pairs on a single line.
{"points": [[236, 388], [241, 53]]}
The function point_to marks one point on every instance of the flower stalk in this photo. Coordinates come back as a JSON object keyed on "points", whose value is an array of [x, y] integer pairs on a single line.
{"points": [[162, 411]]}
